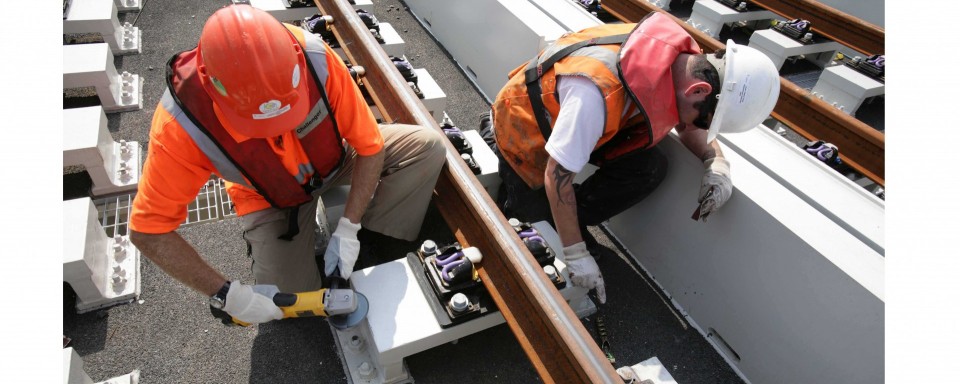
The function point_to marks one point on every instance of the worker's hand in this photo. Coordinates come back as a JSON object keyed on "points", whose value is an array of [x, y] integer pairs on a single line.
{"points": [[252, 304], [583, 269], [343, 249], [716, 177]]}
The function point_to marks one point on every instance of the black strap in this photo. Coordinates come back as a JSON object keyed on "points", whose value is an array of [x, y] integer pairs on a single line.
{"points": [[534, 71], [293, 224]]}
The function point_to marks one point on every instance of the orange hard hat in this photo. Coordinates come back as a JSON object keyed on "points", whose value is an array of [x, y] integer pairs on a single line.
{"points": [[254, 70]]}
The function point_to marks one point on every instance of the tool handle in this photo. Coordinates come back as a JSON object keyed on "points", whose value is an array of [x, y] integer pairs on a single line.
{"points": [[302, 304]]}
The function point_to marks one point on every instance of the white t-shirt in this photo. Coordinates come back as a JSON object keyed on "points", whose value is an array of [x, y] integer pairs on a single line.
{"points": [[580, 122]]}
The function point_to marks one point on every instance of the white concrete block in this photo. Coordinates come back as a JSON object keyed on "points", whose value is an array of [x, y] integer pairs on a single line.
{"points": [[434, 99], [91, 65], [778, 47], [488, 38], [709, 16], [487, 160], [400, 323], [102, 271], [845, 88], [568, 14], [113, 167], [649, 371], [392, 42], [662, 4], [100, 16], [850, 206], [73, 372], [785, 292], [276, 8], [128, 5]]}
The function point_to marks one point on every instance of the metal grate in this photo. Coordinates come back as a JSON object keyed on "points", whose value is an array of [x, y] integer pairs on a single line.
{"points": [[211, 204], [114, 213]]}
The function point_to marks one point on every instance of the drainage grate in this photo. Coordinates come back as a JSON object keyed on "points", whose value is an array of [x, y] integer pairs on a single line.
{"points": [[114, 214], [211, 204]]}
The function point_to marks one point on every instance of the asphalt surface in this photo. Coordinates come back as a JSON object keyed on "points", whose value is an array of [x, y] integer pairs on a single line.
{"points": [[170, 337]]}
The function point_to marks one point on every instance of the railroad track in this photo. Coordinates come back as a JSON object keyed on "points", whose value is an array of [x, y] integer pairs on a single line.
{"points": [[812, 118], [551, 335]]}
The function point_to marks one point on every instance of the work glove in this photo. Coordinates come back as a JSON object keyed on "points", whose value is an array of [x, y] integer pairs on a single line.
{"points": [[252, 304], [716, 178], [343, 249], [583, 269]]}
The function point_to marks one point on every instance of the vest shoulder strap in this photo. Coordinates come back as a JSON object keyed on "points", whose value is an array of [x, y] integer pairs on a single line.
{"points": [[535, 69]]}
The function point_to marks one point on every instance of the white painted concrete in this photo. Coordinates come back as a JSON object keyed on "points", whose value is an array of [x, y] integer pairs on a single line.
{"points": [[434, 99], [392, 42], [113, 167], [845, 88], [100, 16], [489, 164], [102, 271], [91, 65], [778, 47], [487, 38], [128, 5], [795, 293], [277, 9], [709, 16]]}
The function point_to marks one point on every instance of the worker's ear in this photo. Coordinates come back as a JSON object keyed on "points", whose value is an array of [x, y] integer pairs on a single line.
{"points": [[698, 90]]}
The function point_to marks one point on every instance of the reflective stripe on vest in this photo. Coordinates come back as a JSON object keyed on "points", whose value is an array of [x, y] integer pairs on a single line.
{"points": [[224, 166]]}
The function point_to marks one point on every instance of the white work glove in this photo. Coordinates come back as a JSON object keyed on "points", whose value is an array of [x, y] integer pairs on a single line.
{"points": [[252, 304], [343, 249], [717, 178], [583, 269]]}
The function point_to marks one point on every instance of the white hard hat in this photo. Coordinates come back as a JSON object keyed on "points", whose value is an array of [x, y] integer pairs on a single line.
{"points": [[749, 87]]}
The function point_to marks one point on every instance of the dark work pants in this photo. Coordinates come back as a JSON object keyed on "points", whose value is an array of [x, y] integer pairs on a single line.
{"points": [[614, 187]]}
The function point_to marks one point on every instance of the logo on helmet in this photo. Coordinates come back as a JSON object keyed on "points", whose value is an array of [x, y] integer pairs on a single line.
{"points": [[270, 109], [218, 86], [296, 75]]}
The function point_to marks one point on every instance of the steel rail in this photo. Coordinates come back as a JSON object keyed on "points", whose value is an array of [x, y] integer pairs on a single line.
{"points": [[830, 22], [551, 335], [861, 146]]}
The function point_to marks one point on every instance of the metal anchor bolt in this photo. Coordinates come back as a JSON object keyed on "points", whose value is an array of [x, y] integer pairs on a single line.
{"points": [[366, 370], [356, 343]]}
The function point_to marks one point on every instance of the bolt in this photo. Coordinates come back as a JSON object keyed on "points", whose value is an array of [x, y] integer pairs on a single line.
{"points": [[459, 302], [356, 344], [366, 370], [513, 222], [428, 247], [551, 272], [119, 271], [126, 97]]}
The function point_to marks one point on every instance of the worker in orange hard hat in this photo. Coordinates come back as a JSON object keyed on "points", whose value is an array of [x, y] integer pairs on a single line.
{"points": [[607, 95], [272, 110]]}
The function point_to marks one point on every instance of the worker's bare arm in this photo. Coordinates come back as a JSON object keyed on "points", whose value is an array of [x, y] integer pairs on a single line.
{"points": [[366, 176], [695, 139], [178, 259], [558, 182]]}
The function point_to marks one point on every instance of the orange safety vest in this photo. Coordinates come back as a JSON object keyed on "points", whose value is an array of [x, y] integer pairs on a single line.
{"points": [[521, 132], [252, 163]]}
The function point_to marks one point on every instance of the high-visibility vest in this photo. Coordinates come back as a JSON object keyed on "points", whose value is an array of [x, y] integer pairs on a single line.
{"points": [[253, 163], [594, 53]]}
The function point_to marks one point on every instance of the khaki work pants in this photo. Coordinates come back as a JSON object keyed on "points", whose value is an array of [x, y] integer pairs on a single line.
{"points": [[413, 159]]}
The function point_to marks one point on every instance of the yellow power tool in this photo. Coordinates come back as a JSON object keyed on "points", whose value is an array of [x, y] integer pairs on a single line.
{"points": [[344, 308]]}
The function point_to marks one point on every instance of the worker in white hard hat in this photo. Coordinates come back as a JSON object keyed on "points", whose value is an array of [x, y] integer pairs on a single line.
{"points": [[607, 95]]}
